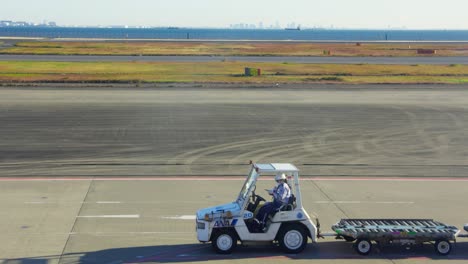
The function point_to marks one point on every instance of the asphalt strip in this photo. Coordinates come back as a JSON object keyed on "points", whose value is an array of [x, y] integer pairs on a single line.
{"points": [[230, 178]]}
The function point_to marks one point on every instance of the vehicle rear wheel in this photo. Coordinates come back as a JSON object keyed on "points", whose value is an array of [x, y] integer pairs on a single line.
{"points": [[224, 242], [443, 247], [363, 246], [293, 239]]}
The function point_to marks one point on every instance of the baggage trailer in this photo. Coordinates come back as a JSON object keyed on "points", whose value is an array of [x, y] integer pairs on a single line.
{"points": [[406, 232]]}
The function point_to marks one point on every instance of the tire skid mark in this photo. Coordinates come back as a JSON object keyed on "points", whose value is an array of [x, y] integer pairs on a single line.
{"points": [[316, 144], [200, 151], [263, 153], [191, 157]]}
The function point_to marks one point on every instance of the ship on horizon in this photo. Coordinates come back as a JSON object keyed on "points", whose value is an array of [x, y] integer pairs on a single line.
{"points": [[296, 28]]}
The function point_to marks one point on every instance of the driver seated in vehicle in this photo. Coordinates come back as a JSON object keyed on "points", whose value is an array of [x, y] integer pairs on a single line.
{"points": [[281, 194]]}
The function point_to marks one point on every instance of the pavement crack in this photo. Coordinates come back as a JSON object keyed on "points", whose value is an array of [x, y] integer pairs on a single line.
{"points": [[76, 219]]}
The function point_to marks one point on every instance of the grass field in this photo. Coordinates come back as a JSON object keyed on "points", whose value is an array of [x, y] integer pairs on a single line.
{"points": [[227, 72], [234, 48]]}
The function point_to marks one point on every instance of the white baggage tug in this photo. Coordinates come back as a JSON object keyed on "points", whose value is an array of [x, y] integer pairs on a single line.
{"points": [[291, 225], [226, 224]]}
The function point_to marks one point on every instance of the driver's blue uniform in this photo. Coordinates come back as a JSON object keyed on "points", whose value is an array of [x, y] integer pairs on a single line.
{"points": [[281, 195]]}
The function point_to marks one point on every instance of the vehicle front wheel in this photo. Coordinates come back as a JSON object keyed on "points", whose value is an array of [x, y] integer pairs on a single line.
{"points": [[293, 239], [363, 246], [443, 247], [224, 242]]}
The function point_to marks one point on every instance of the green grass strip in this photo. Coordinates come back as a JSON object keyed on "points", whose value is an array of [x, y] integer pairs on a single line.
{"points": [[228, 72]]}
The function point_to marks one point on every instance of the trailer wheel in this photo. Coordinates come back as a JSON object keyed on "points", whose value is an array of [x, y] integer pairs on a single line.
{"points": [[443, 247], [292, 239], [224, 242], [363, 246]]}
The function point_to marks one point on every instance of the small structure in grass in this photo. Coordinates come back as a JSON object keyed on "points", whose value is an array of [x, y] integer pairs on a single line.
{"points": [[252, 72], [427, 51]]}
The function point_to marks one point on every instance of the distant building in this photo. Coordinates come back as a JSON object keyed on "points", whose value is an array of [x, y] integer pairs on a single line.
{"points": [[21, 24], [118, 26], [5, 23], [9, 23]]}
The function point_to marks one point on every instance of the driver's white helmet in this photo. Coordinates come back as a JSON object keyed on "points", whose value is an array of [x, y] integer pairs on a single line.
{"points": [[280, 176]]}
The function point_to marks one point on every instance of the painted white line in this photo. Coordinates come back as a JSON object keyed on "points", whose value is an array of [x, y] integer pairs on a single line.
{"points": [[362, 202], [170, 178], [394, 202], [46, 202], [181, 217], [111, 202], [128, 233], [108, 216], [385, 179], [95, 233]]}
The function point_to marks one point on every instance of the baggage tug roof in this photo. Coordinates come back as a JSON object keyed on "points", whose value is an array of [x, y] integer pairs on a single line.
{"points": [[276, 167]]}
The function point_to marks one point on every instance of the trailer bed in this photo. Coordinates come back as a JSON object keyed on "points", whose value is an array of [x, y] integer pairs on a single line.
{"points": [[405, 232], [423, 229]]}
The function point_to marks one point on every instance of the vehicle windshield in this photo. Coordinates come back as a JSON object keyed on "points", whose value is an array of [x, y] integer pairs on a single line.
{"points": [[247, 186]]}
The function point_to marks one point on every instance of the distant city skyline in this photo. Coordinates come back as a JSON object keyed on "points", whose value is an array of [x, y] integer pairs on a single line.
{"points": [[343, 14]]}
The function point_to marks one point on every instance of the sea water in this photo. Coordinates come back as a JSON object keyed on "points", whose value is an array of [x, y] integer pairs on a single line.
{"points": [[237, 34]]}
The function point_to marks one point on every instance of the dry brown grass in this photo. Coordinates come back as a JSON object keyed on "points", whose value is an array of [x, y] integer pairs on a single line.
{"points": [[233, 48]]}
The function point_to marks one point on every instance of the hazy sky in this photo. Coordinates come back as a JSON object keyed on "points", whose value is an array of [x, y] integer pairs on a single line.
{"points": [[412, 14]]}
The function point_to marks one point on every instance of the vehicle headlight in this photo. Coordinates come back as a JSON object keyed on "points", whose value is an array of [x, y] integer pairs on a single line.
{"points": [[228, 214], [207, 217]]}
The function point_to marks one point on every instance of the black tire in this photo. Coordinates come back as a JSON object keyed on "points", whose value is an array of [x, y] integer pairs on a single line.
{"points": [[443, 247], [363, 246], [224, 241], [292, 239]]}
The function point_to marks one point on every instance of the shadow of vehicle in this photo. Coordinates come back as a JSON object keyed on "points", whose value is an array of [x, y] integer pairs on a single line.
{"points": [[329, 250]]}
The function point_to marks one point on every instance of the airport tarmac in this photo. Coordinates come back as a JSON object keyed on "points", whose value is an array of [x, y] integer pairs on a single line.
{"points": [[152, 220], [327, 130], [114, 175]]}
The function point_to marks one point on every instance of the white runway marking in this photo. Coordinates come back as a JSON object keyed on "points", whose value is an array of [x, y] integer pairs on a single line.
{"points": [[108, 216], [181, 217], [97, 233], [363, 202], [60, 202], [129, 233]]}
